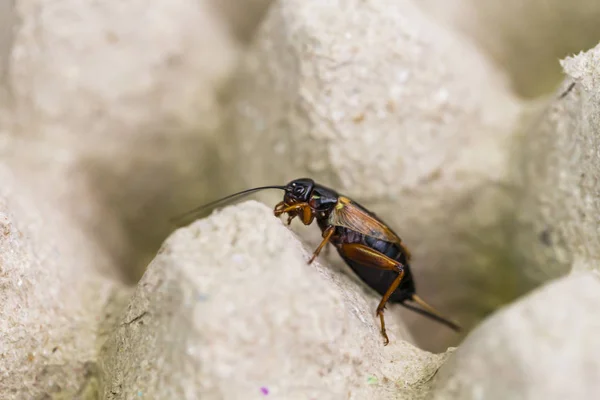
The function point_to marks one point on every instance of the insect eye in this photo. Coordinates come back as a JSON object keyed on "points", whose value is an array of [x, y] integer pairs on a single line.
{"points": [[298, 190]]}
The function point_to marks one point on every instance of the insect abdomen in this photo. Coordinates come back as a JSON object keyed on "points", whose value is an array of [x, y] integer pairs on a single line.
{"points": [[380, 280]]}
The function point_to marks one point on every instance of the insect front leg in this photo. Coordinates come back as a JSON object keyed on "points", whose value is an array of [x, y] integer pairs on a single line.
{"points": [[278, 210], [304, 210], [372, 258]]}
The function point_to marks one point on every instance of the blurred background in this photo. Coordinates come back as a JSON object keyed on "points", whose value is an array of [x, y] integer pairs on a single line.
{"points": [[130, 113]]}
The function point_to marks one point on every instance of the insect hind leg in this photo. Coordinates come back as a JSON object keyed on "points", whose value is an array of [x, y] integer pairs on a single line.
{"points": [[372, 258], [383, 302]]}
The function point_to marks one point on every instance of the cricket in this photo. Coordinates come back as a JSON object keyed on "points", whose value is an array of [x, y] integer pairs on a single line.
{"points": [[368, 245]]}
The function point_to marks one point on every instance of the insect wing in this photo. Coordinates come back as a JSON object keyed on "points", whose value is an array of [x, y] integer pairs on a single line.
{"points": [[351, 216]]}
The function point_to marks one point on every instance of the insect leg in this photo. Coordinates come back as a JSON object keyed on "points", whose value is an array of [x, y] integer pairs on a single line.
{"points": [[279, 206], [282, 208], [291, 216], [384, 300], [293, 210], [372, 258], [326, 236], [307, 215], [277, 210]]}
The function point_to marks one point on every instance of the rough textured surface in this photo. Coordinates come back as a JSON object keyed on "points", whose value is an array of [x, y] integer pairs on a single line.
{"points": [[543, 347], [229, 303], [377, 101], [102, 122], [51, 297], [556, 163], [112, 120]]}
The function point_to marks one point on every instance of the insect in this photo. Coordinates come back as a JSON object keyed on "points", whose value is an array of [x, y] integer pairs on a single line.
{"points": [[370, 248]]}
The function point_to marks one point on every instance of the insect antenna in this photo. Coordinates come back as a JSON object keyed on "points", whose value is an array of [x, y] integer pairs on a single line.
{"points": [[430, 312], [179, 219]]}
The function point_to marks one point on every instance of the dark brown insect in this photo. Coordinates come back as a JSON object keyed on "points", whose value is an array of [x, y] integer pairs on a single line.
{"points": [[374, 252]]}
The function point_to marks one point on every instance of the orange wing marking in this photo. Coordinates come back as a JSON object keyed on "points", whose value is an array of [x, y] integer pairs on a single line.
{"points": [[351, 216]]}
